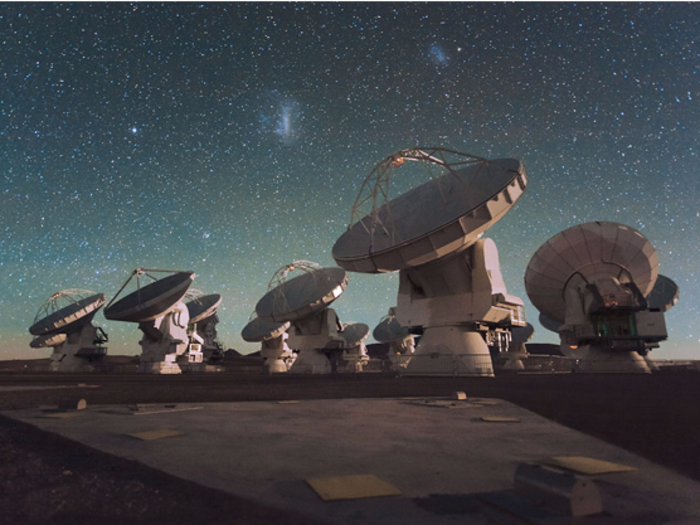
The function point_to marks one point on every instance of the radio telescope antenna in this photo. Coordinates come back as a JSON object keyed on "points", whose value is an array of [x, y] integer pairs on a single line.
{"points": [[300, 293], [400, 340], [272, 336], [64, 322], [664, 294], [152, 300], [597, 281], [354, 356], [162, 317], [451, 288], [292, 297], [202, 310]]}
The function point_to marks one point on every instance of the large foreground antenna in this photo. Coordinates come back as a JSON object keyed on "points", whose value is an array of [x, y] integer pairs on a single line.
{"points": [[451, 289]]}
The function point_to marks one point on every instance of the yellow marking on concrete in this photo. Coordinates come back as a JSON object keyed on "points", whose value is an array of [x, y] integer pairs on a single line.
{"points": [[289, 402], [584, 465], [352, 487], [442, 403], [499, 419], [164, 411], [484, 402], [160, 433], [61, 415]]}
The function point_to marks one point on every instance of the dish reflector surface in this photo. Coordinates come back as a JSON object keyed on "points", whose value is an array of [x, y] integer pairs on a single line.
{"points": [[151, 301], [664, 294], [589, 251], [302, 295], [201, 308], [522, 334], [446, 214], [68, 318], [552, 326], [389, 330], [354, 333], [46, 340], [259, 330]]}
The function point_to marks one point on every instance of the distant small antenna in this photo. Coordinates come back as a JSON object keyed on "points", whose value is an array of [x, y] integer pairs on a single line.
{"points": [[310, 290], [66, 311], [162, 317], [202, 306], [389, 330], [299, 295], [70, 313]]}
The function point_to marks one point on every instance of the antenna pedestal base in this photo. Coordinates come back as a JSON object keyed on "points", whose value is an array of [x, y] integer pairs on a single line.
{"points": [[310, 361], [514, 362], [206, 329], [160, 367], [596, 360], [78, 353], [451, 351], [312, 337], [276, 353], [274, 365], [353, 364], [65, 360], [164, 339]]}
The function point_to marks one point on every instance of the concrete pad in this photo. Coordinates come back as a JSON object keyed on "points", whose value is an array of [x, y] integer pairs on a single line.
{"points": [[264, 451], [352, 487], [445, 403], [587, 466], [140, 410], [160, 433], [497, 419], [60, 415]]}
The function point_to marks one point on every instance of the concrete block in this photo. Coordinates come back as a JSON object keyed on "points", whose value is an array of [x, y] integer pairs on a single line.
{"points": [[558, 491]]}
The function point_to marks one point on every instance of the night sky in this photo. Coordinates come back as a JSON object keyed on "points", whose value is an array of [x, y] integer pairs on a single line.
{"points": [[230, 139]]}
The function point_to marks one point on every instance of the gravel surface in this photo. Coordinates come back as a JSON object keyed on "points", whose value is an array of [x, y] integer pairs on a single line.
{"points": [[45, 478]]}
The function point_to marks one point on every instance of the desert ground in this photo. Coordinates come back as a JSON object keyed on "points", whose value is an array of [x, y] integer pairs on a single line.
{"points": [[45, 478]]}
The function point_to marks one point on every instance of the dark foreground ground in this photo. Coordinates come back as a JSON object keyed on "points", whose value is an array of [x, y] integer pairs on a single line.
{"points": [[45, 478]]}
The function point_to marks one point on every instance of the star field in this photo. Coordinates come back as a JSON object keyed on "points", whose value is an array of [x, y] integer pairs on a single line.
{"points": [[230, 139]]}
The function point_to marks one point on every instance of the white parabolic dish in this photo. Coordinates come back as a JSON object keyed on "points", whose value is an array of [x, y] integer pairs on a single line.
{"points": [[258, 330], [151, 301], [302, 295], [354, 333], [70, 317], [201, 308], [664, 294], [588, 251], [46, 340], [442, 216], [389, 330]]}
